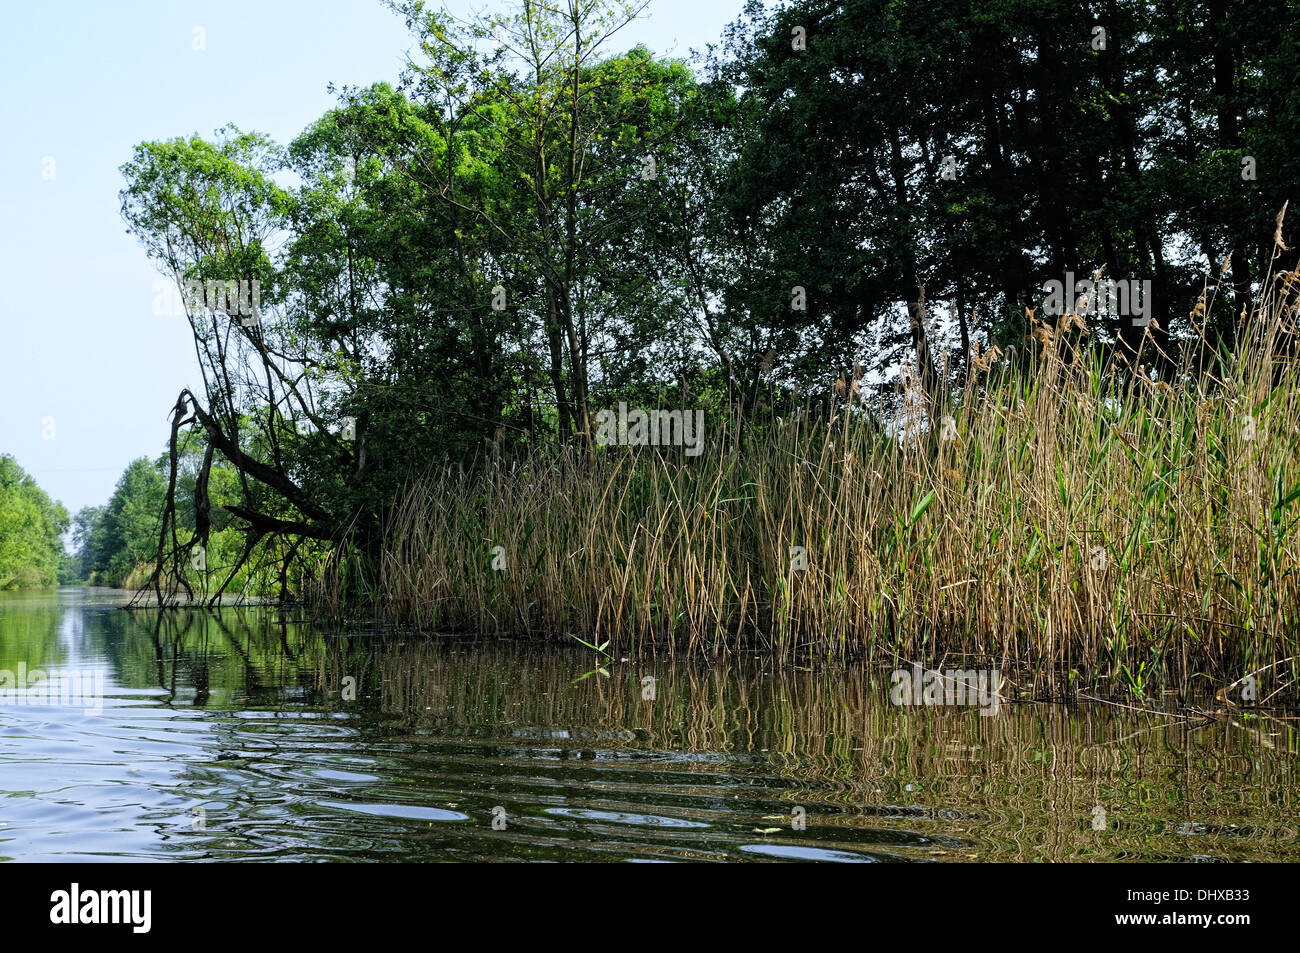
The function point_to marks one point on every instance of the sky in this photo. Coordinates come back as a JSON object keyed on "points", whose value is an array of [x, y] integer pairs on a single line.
{"points": [[88, 369]]}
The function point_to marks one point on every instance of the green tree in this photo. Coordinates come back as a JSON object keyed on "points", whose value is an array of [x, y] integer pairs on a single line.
{"points": [[123, 536], [31, 525]]}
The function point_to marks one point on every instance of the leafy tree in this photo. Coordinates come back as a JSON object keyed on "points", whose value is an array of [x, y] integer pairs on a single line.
{"points": [[530, 224], [979, 150], [120, 538], [87, 539], [31, 525]]}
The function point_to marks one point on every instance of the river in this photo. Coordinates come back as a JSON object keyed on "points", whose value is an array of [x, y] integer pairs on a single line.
{"points": [[253, 735]]}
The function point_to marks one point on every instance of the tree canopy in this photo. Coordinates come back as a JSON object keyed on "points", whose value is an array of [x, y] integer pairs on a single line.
{"points": [[533, 225], [31, 525]]}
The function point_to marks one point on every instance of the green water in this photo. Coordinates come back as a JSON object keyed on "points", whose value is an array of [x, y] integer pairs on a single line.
{"points": [[236, 736]]}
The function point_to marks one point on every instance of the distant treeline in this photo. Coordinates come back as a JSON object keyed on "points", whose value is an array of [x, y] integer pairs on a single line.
{"points": [[116, 544], [111, 545], [113, 542], [31, 524]]}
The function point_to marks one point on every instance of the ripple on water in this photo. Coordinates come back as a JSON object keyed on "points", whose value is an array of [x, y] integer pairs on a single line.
{"points": [[224, 737], [793, 852], [623, 817], [398, 811], [333, 774]]}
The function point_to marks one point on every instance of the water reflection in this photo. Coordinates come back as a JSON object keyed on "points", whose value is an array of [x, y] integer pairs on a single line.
{"points": [[248, 734]]}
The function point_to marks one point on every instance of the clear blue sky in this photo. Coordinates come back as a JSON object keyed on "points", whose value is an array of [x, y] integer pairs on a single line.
{"points": [[84, 82]]}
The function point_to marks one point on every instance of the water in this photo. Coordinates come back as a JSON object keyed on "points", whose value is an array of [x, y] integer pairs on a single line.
{"points": [[229, 736]]}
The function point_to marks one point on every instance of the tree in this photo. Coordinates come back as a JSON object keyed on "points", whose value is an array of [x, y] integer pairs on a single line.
{"points": [[981, 150], [377, 346], [532, 223], [31, 525], [118, 539]]}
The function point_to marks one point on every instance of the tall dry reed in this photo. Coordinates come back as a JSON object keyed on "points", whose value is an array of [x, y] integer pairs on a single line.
{"points": [[1075, 513]]}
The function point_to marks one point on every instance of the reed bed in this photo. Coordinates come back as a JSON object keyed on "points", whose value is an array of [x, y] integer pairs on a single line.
{"points": [[1073, 514]]}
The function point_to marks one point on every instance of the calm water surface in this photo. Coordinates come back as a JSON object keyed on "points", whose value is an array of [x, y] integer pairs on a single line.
{"points": [[235, 736]]}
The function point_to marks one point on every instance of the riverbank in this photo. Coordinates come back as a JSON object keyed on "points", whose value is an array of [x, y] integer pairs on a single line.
{"points": [[1067, 515]]}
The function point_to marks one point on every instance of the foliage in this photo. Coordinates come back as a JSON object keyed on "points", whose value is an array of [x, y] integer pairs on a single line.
{"points": [[461, 271], [30, 528]]}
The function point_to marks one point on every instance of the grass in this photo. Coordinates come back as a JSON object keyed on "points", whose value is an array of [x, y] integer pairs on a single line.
{"points": [[1076, 519]]}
